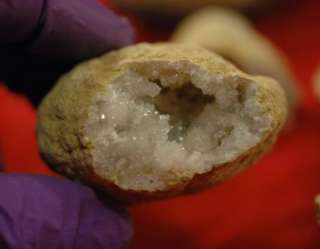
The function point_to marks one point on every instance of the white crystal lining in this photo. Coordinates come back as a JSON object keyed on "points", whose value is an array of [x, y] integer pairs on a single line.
{"points": [[146, 136]]}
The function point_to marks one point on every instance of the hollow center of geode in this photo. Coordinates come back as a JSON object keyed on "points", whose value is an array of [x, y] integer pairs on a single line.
{"points": [[182, 105], [152, 128]]}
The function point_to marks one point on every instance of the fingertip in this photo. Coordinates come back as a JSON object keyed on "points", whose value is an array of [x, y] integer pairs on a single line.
{"points": [[76, 30], [45, 38]]}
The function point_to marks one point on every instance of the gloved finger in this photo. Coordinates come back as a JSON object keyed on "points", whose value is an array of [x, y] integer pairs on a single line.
{"points": [[64, 30], [30, 75], [75, 30], [1, 160], [19, 19], [43, 38], [39, 212]]}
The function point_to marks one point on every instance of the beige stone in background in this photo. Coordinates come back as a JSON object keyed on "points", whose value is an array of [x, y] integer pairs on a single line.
{"points": [[230, 34], [317, 83], [317, 203], [179, 7], [157, 120], [317, 92]]}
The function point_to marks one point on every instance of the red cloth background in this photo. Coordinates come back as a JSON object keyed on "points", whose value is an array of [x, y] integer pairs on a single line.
{"points": [[268, 206]]}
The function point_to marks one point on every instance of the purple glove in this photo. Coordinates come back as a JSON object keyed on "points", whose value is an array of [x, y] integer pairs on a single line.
{"points": [[41, 39], [40, 212]]}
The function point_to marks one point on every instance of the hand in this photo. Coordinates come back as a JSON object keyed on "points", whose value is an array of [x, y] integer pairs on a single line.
{"points": [[41, 39], [41, 212]]}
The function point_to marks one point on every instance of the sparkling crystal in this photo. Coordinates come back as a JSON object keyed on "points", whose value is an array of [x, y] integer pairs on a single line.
{"points": [[148, 136]]}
